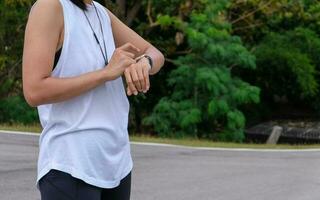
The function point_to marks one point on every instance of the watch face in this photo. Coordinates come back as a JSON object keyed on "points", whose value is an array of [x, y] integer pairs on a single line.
{"points": [[147, 57]]}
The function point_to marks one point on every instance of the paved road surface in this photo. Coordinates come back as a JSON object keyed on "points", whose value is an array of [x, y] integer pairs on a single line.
{"points": [[177, 173]]}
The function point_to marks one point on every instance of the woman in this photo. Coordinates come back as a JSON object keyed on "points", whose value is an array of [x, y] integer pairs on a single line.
{"points": [[75, 54]]}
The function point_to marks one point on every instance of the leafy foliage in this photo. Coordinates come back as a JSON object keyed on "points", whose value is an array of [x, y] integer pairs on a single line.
{"points": [[254, 19], [13, 15], [286, 64], [14, 109], [283, 34], [205, 96]]}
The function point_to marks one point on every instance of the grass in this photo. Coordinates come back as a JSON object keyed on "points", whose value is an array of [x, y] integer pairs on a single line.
{"points": [[36, 128], [207, 143]]}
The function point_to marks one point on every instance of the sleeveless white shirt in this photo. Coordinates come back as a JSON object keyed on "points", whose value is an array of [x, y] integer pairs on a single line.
{"points": [[86, 136]]}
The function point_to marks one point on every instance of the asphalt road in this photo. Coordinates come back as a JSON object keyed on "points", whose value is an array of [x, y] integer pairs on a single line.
{"points": [[178, 173]]}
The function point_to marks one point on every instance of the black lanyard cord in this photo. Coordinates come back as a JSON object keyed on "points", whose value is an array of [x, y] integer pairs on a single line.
{"points": [[105, 56], [104, 44]]}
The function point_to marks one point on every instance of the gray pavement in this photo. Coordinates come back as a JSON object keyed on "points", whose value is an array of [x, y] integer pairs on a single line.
{"points": [[177, 173]]}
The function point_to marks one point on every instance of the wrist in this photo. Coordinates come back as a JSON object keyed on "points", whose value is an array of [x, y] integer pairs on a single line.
{"points": [[147, 59], [107, 75]]}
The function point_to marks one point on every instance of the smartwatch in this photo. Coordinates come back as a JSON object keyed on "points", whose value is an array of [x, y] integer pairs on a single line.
{"points": [[145, 56]]}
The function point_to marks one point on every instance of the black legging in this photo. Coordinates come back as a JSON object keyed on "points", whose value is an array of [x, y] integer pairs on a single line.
{"points": [[58, 185]]}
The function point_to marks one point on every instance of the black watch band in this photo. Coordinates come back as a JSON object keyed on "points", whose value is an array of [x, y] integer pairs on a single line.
{"points": [[148, 57]]}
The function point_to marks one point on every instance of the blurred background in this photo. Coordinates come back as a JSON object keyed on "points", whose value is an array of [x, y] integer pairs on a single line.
{"points": [[234, 68]]}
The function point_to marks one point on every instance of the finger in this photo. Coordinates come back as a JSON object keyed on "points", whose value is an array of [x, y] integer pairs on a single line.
{"points": [[130, 55], [139, 70], [135, 78], [129, 93], [129, 62], [129, 47], [146, 78], [131, 86]]}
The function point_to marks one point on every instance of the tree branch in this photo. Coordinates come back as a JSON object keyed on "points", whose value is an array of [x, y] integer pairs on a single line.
{"points": [[252, 12], [122, 6], [151, 22], [248, 26], [133, 13]]}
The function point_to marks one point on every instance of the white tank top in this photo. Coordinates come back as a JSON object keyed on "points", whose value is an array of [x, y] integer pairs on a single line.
{"points": [[86, 136]]}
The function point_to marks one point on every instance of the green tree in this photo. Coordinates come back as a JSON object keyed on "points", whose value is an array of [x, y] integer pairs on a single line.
{"points": [[205, 96], [254, 19], [12, 23], [13, 108], [283, 34], [288, 64]]}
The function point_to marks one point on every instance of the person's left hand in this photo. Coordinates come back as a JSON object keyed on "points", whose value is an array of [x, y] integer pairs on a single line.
{"points": [[137, 77]]}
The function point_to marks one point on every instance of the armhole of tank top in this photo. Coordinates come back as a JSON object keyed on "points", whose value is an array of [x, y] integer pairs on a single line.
{"points": [[65, 40]]}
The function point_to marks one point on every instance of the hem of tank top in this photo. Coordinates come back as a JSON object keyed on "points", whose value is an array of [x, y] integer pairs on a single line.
{"points": [[77, 174]]}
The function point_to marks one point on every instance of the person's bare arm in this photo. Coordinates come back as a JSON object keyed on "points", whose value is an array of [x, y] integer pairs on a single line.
{"points": [[123, 34], [139, 73], [41, 38]]}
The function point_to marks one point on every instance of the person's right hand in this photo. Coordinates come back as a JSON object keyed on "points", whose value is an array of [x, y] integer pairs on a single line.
{"points": [[122, 58]]}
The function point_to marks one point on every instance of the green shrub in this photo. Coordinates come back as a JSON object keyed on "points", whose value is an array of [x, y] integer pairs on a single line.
{"points": [[288, 63], [206, 96], [14, 109]]}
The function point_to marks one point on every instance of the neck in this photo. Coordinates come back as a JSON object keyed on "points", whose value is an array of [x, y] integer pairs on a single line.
{"points": [[88, 1]]}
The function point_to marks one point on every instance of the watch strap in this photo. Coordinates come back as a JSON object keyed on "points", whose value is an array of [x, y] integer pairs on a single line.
{"points": [[145, 56]]}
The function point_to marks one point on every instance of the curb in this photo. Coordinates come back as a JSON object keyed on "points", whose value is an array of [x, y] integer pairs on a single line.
{"points": [[189, 147]]}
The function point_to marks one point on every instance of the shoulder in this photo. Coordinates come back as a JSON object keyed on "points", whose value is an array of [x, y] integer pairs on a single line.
{"points": [[46, 11], [53, 5]]}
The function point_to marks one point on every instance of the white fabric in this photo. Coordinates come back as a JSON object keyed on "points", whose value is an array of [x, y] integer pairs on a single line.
{"points": [[86, 136]]}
